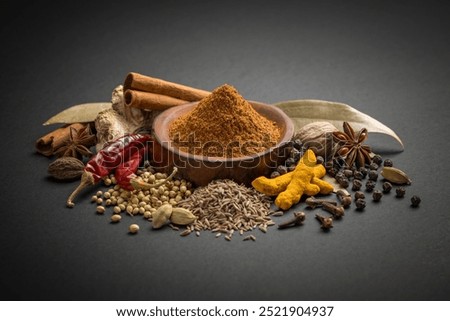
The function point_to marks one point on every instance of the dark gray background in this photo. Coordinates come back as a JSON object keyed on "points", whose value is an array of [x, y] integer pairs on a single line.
{"points": [[389, 60]]}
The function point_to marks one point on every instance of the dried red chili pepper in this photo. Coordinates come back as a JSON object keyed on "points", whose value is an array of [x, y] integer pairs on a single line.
{"points": [[122, 155], [126, 171]]}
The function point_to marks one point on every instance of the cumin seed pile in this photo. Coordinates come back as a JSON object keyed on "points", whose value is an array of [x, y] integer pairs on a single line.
{"points": [[223, 207]]}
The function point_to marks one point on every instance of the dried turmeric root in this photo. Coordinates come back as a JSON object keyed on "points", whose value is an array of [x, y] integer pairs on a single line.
{"points": [[290, 187]]}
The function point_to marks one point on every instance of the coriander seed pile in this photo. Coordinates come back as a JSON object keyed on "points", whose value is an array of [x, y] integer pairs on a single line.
{"points": [[140, 202]]}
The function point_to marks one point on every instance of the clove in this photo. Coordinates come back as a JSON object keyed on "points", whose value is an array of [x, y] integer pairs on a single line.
{"points": [[336, 211], [298, 219], [313, 202], [325, 222], [344, 197]]}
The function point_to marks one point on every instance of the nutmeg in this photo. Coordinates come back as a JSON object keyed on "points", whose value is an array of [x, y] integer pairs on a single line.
{"points": [[318, 136], [66, 168]]}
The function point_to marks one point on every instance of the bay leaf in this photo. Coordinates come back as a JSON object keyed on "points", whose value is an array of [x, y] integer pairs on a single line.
{"points": [[83, 113], [305, 111]]}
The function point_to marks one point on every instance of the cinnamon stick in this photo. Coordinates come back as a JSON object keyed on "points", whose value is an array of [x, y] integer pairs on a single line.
{"points": [[165, 94], [147, 100], [47, 144]]}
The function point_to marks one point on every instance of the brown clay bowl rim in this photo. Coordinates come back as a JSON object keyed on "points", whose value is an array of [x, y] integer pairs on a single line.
{"points": [[163, 121]]}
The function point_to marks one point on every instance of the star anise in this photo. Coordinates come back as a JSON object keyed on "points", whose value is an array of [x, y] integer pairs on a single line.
{"points": [[78, 143], [351, 146]]}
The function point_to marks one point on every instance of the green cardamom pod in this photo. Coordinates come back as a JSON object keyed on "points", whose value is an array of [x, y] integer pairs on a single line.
{"points": [[395, 175], [161, 216], [182, 216]]}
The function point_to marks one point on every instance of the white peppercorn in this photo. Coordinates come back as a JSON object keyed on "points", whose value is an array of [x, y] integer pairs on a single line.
{"points": [[159, 176], [133, 228], [129, 209], [116, 218]]}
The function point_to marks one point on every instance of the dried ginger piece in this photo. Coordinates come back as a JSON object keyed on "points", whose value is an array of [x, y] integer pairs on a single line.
{"points": [[120, 120]]}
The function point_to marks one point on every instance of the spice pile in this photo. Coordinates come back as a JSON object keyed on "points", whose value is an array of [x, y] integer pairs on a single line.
{"points": [[143, 202], [224, 124], [352, 167], [115, 148], [224, 207]]}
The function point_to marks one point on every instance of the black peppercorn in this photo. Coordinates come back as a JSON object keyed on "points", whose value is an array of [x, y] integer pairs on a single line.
{"points": [[339, 162], [400, 192], [339, 175], [331, 171], [344, 182], [377, 195], [415, 201], [364, 171], [274, 174], [370, 185], [373, 175], [348, 173], [297, 144], [388, 163], [282, 169], [377, 159], [356, 185], [373, 166], [359, 195], [319, 160], [358, 175], [387, 187], [360, 204], [295, 154], [289, 162]]}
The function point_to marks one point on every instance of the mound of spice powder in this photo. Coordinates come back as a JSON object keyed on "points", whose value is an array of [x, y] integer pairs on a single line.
{"points": [[224, 124]]}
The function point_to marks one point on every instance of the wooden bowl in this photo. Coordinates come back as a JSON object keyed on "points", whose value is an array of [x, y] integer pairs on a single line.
{"points": [[201, 170]]}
